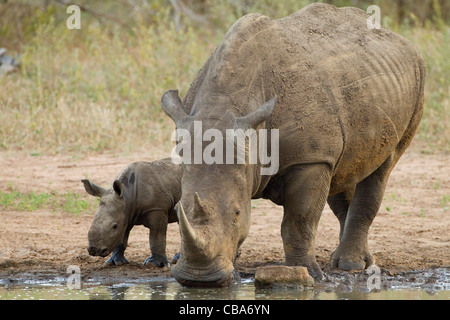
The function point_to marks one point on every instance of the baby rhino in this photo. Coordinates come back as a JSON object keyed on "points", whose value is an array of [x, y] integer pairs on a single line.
{"points": [[144, 193]]}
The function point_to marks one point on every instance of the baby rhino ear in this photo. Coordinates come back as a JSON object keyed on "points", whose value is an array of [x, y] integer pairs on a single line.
{"points": [[93, 189], [118, 188]]}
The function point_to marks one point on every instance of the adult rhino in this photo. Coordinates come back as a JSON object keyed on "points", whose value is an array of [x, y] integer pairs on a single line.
{"points": [[349, 100]]}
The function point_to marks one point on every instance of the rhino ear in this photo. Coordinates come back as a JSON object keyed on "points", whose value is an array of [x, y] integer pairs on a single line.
{"points": [[173, 107], [93, 189], [118, 188], [253, 119]]}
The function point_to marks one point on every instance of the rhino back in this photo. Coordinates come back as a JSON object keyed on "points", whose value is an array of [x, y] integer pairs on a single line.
{"points": [[158, 184], [370, 80], [151, 185], [344, 91]]}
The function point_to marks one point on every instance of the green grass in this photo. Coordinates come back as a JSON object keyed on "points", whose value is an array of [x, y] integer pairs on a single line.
{"points": [[396, 197], [445, 200], [67, 202]]}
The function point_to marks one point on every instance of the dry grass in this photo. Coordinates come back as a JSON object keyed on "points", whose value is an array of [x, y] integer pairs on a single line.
{"points": [[98, 88], [435, 48], [89, 91]]}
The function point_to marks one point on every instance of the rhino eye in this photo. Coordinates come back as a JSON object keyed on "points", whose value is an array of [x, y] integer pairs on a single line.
{"points": [[114, 226], [238, 212]]}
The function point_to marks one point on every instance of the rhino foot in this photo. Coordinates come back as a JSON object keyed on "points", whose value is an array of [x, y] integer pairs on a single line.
{"points": [[347, 259], [310, 263], [117, 257], [314, 271], [157, 260], [116, 260]]}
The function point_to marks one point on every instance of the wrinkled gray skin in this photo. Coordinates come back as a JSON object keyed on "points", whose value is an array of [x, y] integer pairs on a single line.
{"points": [[349, 100], [144, 193]]}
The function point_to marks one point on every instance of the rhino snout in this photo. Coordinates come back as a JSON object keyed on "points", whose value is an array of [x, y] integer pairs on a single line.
{"points": [[205, 278], [98, 251]]}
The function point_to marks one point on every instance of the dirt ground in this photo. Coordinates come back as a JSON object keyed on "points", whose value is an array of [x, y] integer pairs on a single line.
{"points": [[411, 231]]}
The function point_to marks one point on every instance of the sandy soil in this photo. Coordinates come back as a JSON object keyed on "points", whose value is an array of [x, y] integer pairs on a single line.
{"points": [[411, 231]]}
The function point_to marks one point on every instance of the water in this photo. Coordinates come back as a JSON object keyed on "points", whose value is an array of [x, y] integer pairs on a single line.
{"points": [[173, 291], [399, 287]]}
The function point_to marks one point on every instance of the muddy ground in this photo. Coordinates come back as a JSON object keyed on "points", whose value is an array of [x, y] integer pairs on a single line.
{"points": [[411, 231]]}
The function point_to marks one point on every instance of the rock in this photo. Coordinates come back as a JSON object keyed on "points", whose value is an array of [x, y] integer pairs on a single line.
{"points": [[283, 276]]}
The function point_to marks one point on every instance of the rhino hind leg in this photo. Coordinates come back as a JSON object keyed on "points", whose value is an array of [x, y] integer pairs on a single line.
{"points": [[339, 204], [353, 252], [306, 189]]}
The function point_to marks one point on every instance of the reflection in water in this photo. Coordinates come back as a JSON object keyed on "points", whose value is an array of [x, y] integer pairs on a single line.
{"points": [[116, 292], [171, 290], [421, 285]]}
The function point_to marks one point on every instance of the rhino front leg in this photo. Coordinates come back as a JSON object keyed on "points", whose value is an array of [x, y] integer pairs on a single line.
{"points": [[157, 223], [306, 188], [353, 251], [118, 258]]}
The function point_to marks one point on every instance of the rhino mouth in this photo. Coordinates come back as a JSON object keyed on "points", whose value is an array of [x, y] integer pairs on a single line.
{"points": [[200, 265], [98, 251], [204, 278]]}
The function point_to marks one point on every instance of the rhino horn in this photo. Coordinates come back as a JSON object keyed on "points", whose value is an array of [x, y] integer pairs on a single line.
{"points": [[200, 209], [188, 234]]}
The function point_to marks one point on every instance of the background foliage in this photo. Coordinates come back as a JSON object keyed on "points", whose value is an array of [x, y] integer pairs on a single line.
{"points": [[98, 89]]}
